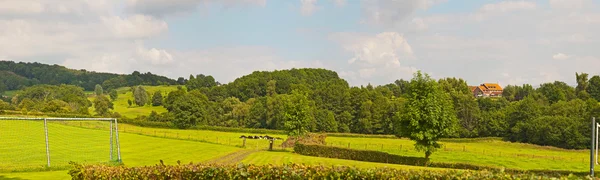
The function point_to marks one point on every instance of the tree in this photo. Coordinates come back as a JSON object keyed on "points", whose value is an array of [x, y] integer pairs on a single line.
{"points": [[102, 105], [98, 90], [594, 88], [140, 96], [582, 82], [113, 94], [297, 115], [428, 114], [129, 102], [2, 87], [157, 98], [190, 109]]}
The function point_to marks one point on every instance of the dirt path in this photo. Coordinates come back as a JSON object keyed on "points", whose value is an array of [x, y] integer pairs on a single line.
{"points": [[232, 158]]}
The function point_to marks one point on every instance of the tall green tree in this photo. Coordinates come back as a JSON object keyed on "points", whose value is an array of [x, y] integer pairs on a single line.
{"points": [[113, 94], [298, 114], [157, 99], [102, 105], [428, 114], [190, 109], [140, 96], [98, 90], [2, 88], [594, 88]]}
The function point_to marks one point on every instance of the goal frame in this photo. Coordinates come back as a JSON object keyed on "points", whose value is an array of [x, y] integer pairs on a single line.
{"points": [[46, 119]]}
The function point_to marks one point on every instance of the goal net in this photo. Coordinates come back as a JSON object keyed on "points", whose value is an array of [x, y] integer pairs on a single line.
{"points": [[39, 143]]}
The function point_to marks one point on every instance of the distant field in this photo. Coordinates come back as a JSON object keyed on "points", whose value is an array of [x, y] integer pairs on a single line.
{"points": [[122, 107]]}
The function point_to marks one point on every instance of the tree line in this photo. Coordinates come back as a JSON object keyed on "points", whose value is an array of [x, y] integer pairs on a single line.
{"points": [[15, 76]]}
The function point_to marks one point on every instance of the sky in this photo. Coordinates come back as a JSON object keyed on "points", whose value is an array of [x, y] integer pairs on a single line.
{"points": [[365, 41]]}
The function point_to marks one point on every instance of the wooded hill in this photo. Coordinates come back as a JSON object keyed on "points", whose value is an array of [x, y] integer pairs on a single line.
{"points": [[14, 76]]}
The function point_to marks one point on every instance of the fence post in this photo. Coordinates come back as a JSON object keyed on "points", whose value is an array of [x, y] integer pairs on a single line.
{"points": [[111, 140], [348, 145], [47, 144], [464, 149], [118, 143]]}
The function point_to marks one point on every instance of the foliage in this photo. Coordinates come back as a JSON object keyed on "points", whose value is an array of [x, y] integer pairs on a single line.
{"points": [[98, 90], [200, 81], [297, 114], [358, 155], [49, 98], [287, 171], [428, 115], [140, 96], [113, 95], [157, 99], [190, 109], [23, 74], [102, 105]]}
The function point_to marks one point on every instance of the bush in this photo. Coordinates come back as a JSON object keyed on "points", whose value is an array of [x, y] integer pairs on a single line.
{"points": [[359, 155], [289, 171], [310, 138]]}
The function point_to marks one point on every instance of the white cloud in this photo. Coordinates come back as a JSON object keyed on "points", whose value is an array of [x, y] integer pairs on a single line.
{"points": [[508, 6], [156, 56], [160, 8], [308, 7], [136, 26], [503, 7], [569, 4], [560, 56], [377, 57], [20, 7]]}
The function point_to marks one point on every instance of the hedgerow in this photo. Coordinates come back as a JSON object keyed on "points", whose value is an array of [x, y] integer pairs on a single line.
{"points": [[288, 171]]}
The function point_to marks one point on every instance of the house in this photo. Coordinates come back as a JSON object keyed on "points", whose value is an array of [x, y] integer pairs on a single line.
{"points": [[487, 90]]}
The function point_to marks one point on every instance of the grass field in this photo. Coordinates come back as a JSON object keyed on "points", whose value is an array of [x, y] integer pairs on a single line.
{"points": [[484, 151], [481, 151], [122, 107], [278, 158], [25, 150]]}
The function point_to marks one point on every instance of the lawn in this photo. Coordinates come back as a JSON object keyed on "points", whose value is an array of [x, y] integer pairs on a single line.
{"points": [[25, 149], [283, 157], [122, 107], [482, 151]]}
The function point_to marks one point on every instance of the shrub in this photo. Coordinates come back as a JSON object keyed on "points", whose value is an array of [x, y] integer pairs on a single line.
{"points": [[311, 138], [359, 155], [289, 171]]}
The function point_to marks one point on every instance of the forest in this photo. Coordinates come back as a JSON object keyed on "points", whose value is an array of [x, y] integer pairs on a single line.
{"points": [[15, 76], [553, 114]]}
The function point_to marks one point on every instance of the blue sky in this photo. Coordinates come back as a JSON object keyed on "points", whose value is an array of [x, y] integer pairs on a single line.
{"points": [[365, 41]]}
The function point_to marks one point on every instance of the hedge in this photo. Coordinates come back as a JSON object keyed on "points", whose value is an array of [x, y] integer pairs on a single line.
{"points": [[382, 157], [288, 171], [359, 155]]}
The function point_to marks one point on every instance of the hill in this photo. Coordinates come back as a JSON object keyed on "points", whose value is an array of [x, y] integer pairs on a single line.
{"points": [[14, 76]]}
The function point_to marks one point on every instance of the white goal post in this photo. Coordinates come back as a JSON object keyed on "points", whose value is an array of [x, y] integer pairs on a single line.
{"points": [[594, 146], [114, 132]]}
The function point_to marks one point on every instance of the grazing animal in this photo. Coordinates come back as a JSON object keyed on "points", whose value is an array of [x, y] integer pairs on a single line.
{"points": [[242, 136]]}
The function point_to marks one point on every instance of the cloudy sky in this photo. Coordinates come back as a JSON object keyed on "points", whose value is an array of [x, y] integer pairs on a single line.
{"points": [[365, 41]]}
